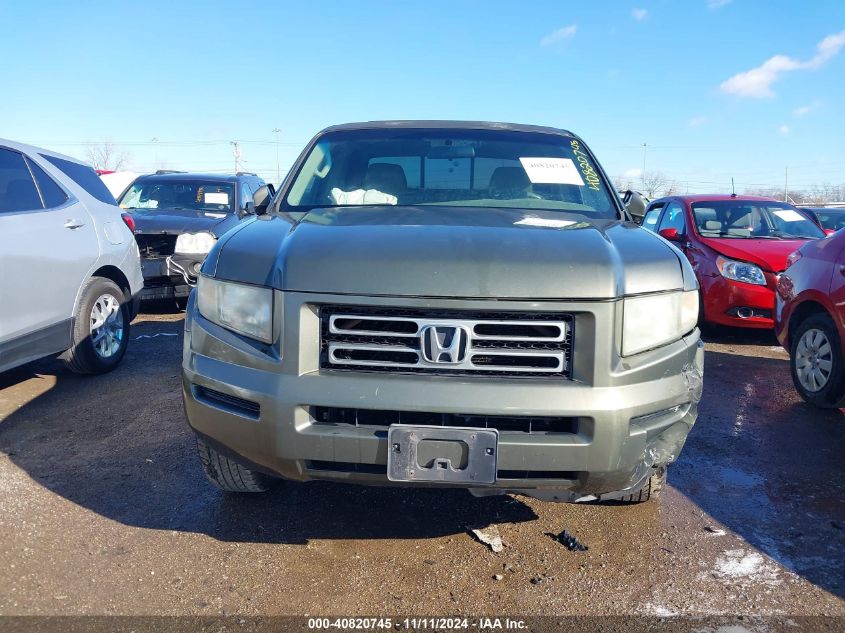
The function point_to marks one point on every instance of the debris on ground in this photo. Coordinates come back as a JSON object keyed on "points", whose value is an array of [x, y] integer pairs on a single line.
{"points": [[157, 334], [498, 577], [536, 580], [714, 531], [569, 541], [489, 536]]}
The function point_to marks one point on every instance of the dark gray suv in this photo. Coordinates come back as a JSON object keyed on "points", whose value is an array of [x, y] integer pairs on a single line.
{"points": [[177, 218], [444, 304]]}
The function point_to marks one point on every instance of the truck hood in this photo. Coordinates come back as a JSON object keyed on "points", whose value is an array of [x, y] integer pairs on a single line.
{"points": [[448, 252], [175, 222], [770, 255]]}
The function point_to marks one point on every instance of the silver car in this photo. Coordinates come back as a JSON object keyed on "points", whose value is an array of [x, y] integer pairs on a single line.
{"points": [[444, 304], [69, 264]]}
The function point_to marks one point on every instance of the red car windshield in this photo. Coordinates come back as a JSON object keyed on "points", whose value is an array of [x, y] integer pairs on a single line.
{"points": [[752, 219]]}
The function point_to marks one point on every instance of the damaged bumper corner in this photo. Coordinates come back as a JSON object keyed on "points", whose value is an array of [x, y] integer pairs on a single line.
{"points": [[665, 447], [662, 447]]}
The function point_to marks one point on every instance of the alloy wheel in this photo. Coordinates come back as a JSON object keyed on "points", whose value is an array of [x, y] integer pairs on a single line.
{"points": [[107, 328], [814, 360]]}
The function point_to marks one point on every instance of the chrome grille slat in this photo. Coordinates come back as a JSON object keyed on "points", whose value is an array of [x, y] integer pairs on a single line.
{"points": [[334, 329], [391, 339]]}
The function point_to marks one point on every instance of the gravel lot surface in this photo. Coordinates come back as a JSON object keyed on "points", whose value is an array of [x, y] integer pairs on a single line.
{"points": [[104, 510]]}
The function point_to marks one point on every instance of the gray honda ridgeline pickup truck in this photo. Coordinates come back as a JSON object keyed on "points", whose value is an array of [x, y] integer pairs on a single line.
{"points": [[444, 304]]}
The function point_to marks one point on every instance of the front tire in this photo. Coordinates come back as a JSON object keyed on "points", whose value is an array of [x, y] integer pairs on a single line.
{"points": [[229, 475], [816, 362], [652, 488], [100, 329]]}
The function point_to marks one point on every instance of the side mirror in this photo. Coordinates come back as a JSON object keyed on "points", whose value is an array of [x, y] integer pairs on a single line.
{"points": [[635, 205], [261, 199], [248, 209], [670, 234]]}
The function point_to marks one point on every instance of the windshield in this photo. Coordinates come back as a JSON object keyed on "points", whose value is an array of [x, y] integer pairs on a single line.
{"points": [[831, 219], [201, 196], [750, 219], [459, 168]]}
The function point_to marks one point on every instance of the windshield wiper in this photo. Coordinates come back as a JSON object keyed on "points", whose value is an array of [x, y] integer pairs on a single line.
{"points": [[723, 234], [778, 235]]}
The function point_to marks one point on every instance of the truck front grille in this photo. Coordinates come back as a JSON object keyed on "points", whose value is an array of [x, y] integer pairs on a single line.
{"points": [[385, 418], [446, 342], [155, 245]]}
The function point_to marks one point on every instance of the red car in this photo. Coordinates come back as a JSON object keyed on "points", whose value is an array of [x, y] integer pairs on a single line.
{"points": [[810, 319], [737, 245]]}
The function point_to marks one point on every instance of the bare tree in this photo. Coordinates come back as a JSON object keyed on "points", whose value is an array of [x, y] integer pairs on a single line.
{"points": [[654, 181], [106, 157], [823, 194], [774, 192], [621, 183], [671, 188]]}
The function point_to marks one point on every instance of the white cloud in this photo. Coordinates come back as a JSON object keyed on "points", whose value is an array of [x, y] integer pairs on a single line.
{"points": [[560, 35], [757, 82], [639, 14], [783, 130], [805, 109], [716, 4], [827, 48], [634, 172], [696, 121]]}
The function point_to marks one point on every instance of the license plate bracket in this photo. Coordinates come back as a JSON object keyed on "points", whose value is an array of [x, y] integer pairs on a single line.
{"points": [[151, 268], [481, 455]]}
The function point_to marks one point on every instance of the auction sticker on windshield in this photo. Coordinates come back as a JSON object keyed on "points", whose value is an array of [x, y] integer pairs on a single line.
{"points": [[788, 215], [216, 198], [551, 171]]}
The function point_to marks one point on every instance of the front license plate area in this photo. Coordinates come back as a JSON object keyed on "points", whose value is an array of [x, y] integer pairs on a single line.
{"points": [[445, 454], [154, 268]]}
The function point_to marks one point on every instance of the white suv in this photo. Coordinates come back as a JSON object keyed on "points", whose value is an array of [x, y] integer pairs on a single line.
{"points": [[69, 265]]}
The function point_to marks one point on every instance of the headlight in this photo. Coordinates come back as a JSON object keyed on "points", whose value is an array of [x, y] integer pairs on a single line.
{"points": [[740, 271], [654, 320], [245, 309], [195, 243]]}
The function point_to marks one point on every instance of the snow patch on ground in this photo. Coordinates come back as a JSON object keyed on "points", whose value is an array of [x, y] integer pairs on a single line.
{"points": [[658, 610], [740, 565], [755, 627]]}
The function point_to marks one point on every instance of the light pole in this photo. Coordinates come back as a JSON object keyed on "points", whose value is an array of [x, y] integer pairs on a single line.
{"points": [[786, 185], [645, 146], [154, 141], [236, 152], [276, 131]]}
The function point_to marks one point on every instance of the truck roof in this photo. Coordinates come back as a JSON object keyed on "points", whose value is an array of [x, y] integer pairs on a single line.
{"points": [[450, 125]]}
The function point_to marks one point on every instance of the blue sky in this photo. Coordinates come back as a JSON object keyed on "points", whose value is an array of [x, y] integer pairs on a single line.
{"points": [[693, 79]]}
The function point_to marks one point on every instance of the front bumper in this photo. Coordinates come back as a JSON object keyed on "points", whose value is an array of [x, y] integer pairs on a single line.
{"points": [[632, 414], [727, 301]]}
